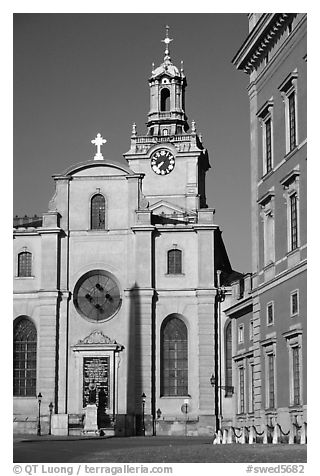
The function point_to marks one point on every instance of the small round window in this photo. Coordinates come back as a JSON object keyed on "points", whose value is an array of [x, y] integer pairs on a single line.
{"points": [[97, 295]]}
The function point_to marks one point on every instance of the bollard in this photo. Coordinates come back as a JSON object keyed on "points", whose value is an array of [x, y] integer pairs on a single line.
{"points": [[243, 435], [265, 435], [230, 440], [225, 436], [303, 437], [251, 435], [275, 437], [291, 434]]}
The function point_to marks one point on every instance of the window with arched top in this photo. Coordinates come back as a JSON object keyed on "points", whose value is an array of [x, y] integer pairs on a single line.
{"points": [[98, 212], [165, 100], [24, 358], [228, 358], [24, 264], [174, 358], [174, 261]]}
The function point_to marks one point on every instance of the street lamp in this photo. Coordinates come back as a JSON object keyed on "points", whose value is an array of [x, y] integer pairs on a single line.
{"points": [[215, 379], [143, 400], [50, 416], [39, 397]]}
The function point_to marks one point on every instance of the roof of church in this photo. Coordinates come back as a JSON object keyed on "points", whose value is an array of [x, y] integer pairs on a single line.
{"points": [[95, 163]]}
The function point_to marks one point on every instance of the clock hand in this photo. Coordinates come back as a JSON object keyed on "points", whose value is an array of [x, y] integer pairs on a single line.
{"points": [[161, 163]]}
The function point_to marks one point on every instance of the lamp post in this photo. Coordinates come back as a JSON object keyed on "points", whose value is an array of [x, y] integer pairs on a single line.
{"points": [[215, 379], [39, 397], [143, 400], [50, 416]]}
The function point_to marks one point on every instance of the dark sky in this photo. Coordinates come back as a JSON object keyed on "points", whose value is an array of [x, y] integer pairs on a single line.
{"points": [[79, 74]]}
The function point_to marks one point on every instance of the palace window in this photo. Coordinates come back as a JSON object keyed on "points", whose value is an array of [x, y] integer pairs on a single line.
{"points": [[291, 187], [296, 375], [288, 91], [241, 408], [270, 314], [294, 303], [240, 333], [174, 358], [24, 358], [270, 381], [293, 221], [267, 214], [98, 212], [174, 261], [251, 367], [228, 353], [24, 264], [165, 100], [294, 345], [265, 115], [251, 330]]}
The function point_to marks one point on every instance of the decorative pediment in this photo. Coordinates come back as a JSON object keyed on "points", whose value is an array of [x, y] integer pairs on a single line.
{"points": [[165, 208], [97, 337], [97, 340]]}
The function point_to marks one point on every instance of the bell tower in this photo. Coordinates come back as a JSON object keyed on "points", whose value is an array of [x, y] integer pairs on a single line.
{"points": [[167, 97], [170, 155]]}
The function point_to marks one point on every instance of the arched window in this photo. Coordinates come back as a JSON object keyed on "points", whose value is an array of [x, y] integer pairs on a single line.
{"points": [[228, 354], [165, 132], [24, 358], [174, 357], [24, 264], [174, 261], [98, 212], [165, 99]]}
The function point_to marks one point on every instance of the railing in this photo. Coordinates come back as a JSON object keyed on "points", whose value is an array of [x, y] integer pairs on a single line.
{"points": [[297, 434], [157, 139]]}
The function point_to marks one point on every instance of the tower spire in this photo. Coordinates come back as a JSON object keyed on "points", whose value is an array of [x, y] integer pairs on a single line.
{"points": [[167, 41]]}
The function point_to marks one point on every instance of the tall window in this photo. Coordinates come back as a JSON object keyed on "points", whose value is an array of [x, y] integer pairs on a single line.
{"points": [[296, 375], [288, 89], [165, 100], [174, 358], [24, 264], [265, 115], [292, 120], [271, 392], [268, 148], [267, 205], [174, 261], [251, 366], [270, 314], [293, 221], [228, 352], [294, 303], [241, 390], [98, 212], [24, 358]]}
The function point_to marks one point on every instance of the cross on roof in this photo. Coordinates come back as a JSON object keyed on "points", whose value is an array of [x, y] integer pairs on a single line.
{"points": [[167, 41], [98, 142]]}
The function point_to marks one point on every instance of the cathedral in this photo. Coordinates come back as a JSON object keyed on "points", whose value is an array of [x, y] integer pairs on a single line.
{"points": [[115, 287], [128, 317]]}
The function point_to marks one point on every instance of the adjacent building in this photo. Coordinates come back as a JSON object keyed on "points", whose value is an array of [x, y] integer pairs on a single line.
{"points": [[266, 327]]}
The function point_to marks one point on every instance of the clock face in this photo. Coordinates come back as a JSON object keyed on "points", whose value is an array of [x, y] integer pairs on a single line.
{"points": [[97, 295], [162, 162]]}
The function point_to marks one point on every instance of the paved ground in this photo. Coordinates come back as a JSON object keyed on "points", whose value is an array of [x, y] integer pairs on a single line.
{"points": [[149, 450]]}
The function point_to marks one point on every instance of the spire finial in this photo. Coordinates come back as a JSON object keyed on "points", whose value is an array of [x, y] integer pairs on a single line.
{"points": [[167, 41]]}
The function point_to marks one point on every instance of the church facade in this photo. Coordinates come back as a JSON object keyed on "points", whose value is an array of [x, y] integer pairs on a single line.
{"points": [[115, 286]]}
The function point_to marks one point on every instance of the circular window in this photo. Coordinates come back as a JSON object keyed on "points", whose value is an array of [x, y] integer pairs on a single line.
{"points": [[97, 295]]}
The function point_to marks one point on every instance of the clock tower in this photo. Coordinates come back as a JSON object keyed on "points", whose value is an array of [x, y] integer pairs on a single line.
{"points": [[170, 155]]}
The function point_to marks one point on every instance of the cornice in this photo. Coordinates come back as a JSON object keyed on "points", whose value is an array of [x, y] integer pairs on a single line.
{"points": [[261, 38]]}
